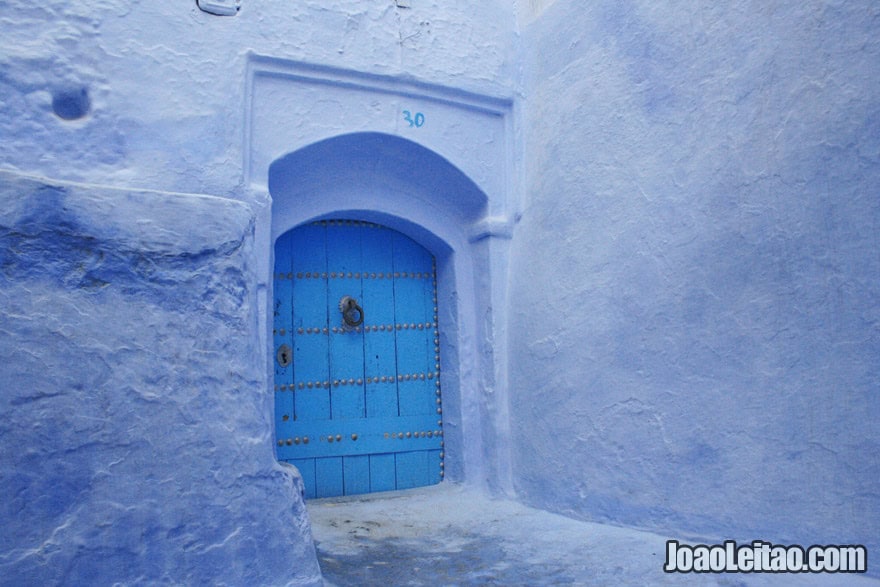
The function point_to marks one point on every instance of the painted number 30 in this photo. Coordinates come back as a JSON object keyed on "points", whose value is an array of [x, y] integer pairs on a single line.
{"points": [[418, 120]]}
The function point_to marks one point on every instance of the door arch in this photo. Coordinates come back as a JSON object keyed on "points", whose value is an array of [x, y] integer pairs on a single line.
{"points": [[371, 177], [358, 405]]}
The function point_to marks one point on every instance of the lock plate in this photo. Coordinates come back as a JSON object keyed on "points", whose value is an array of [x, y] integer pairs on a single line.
{"points": [[284, 356]]}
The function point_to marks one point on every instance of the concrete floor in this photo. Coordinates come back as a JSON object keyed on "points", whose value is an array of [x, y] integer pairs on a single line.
{"points": [[452, 535]]}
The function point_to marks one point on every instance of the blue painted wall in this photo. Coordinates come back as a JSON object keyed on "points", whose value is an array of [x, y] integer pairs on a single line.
{"points": [[689, 309], [699, 349], [136, 429], [137, 438]]}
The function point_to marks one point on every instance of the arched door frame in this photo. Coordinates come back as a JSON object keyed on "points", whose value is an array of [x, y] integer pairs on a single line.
{"points": [[466, 248]]}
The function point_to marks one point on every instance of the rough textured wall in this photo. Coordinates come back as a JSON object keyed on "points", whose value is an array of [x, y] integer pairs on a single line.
{"points": [[699, 347], [165, 82], [136, 437]]}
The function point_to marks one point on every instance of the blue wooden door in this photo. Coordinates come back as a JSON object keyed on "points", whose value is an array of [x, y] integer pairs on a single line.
{"points": [[357, 359]]}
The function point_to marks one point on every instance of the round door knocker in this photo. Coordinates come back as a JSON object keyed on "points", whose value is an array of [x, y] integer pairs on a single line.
{"points": [[352, 313], [284, 356]]}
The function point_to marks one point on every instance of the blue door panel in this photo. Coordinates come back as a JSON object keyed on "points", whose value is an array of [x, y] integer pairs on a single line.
{"points": [[358, 410], [382, 472], [346, 344], [356, 474], [283, 339], [328, 477], [309, 295], [413, 469]]}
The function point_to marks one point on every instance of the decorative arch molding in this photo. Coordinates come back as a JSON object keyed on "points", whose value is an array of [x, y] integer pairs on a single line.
{"points": [[445, 186], [370, 170]]}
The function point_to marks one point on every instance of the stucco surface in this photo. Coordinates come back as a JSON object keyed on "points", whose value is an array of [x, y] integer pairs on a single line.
{"points": [[698, 348], [136, 440], [166, 82]]}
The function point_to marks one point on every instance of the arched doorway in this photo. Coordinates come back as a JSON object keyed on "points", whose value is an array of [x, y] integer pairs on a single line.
{"points": [[358, 404], [398, 184]]}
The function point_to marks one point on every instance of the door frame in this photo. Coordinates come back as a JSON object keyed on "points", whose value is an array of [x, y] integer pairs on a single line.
{"points": [[468, 249]]}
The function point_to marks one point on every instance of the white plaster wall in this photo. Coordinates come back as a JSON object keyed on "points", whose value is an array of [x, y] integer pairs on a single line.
{"points": [[695, 279]]}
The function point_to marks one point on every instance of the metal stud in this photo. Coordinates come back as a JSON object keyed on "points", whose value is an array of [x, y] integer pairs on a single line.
{"points": [[422, 376], [439, 411], [438, 401], [301, 385], [354, 436], [296, 440], [332, 275], [430, 375], [360, 381], [299, 331], [430, 434], [330, 439], [338, 438], [305, 439], [409, 434], [386, 435], [400, 435], [351, 381], [324, 275], [289, 441], [280, 442], [438, 392]]}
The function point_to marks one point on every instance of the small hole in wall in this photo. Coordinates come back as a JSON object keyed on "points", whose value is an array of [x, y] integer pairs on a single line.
{"points": [[71, 103]]}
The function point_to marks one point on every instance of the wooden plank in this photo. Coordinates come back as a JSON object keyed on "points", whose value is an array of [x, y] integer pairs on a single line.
{"points": [[328, 477], [383, 475], [346, 349], [413, 469], [309, 298], [356, 474], [282, 335], [380, 357]]}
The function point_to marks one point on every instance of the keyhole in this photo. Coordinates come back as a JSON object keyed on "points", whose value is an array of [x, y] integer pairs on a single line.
{"points": [[284, 355]]}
